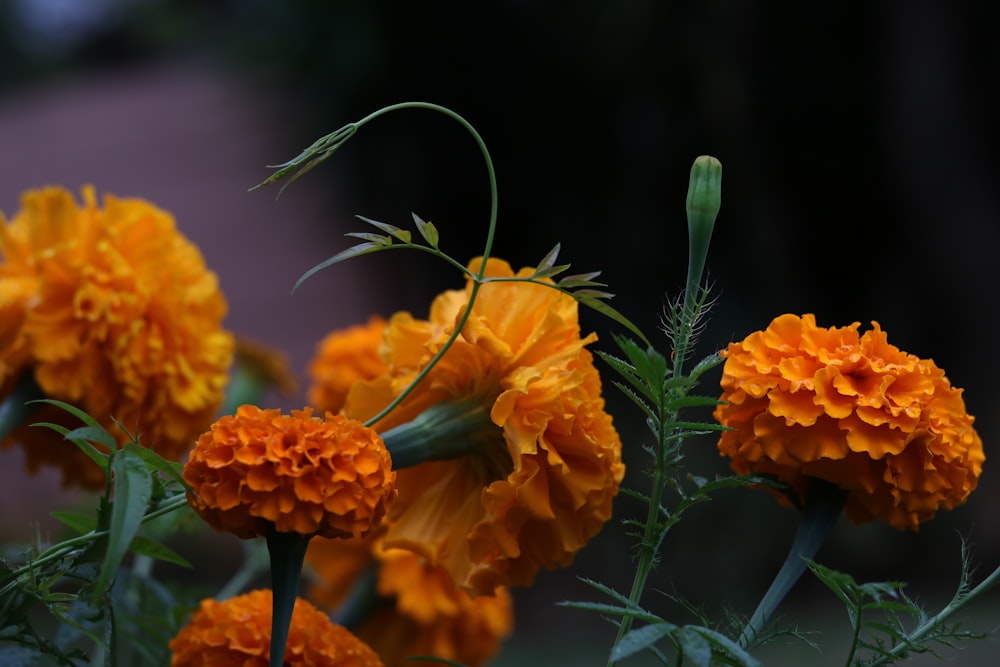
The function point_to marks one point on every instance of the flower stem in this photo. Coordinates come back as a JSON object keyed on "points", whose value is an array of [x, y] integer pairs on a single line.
{"points": [[288, 551], [17, 407], [487, 247], [823, 504], [918, 635]]}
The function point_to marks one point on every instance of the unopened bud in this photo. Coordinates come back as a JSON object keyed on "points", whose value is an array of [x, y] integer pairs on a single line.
{"points": [[704, 199]]}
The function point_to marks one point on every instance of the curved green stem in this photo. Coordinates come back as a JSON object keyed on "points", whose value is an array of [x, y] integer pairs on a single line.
{"points": [[487, 248], [823, 504]]}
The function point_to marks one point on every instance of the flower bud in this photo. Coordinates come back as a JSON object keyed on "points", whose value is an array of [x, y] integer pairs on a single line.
{"points": [[704, 199]]}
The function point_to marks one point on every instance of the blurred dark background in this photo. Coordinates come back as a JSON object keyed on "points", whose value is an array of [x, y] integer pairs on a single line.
{"points": [[860, 151]]}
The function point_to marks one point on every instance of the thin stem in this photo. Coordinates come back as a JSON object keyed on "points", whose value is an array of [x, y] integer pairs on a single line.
{"points": [[956, 603], [650, 544], [487, 248], [823, 504]]}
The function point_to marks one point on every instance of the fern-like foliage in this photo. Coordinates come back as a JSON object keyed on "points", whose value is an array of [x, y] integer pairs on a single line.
{"points": [[888, 626]]}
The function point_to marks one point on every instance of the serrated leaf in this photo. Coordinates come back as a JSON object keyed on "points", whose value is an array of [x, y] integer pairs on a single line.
{"points": [[637, 400], [640, 639], [727, 645], [649, 364], [133, 489], [607, 590], [353, 251], [612, 610], [694, 646], [691, 402], [427, 230]]}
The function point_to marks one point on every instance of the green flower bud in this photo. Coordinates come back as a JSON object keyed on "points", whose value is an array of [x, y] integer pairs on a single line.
{"points": [[704, 199]]}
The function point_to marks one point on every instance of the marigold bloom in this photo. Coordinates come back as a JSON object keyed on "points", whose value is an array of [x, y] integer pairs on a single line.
{"points": [[237, 633], [112, 310], [297, 473], [541, 478], [428, 615], [342, 358], [886, 426]]}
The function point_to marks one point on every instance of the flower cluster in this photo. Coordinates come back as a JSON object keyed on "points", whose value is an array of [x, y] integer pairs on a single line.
{"points": [[427, 614], [237, 631], [539, 483], [113, 310], [300, 474], [810, 402]]}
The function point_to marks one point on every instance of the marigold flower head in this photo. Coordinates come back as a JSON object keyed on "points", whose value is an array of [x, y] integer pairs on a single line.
{"points": [[428, 615], [298, 473], [886, 426], [237, 633], [114, 311], [342, 358], [541, 485]]}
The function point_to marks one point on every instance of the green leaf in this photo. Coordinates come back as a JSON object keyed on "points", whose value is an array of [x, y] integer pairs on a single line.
{"points": [[353, 251], [612, 610], [95, 455], [727, 645], [608, 311], [96, 434], [133, 489], [549, 260], [640, 639], [695, 647], [148, 547], [377, 239], [550, 271], [427, 230], [78, 521], [580, 280], [401, 234], [157, 463]]}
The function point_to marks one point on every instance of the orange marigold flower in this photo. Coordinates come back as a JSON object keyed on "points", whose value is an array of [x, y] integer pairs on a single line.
{"points": [[342, 358], [539, 482], [297, 473], [886, 426], [428, 615], [112, 310], [237, 633]]}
